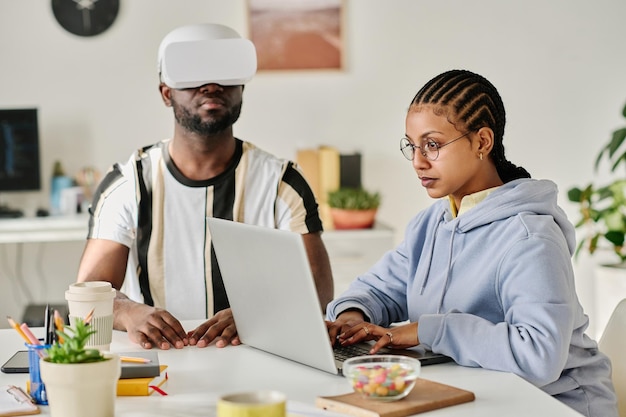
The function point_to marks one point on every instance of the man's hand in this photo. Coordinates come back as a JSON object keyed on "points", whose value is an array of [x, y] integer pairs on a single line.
{"points": [[220, 327], [149, 326]]}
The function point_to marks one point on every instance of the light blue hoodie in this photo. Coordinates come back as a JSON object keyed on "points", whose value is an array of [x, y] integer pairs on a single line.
{"points": [[494, 288]]}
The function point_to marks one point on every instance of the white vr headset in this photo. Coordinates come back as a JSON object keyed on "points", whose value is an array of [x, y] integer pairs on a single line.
{"points": [[196, 55]]}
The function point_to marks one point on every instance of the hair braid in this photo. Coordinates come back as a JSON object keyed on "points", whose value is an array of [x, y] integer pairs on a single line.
{"points": [[472, 100]]}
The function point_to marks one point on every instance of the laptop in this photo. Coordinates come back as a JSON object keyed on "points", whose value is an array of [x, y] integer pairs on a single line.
{"points": [[273, 298]]}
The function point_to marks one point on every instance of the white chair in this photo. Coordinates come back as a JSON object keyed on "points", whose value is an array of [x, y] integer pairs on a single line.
{"points": [[613, 344]]}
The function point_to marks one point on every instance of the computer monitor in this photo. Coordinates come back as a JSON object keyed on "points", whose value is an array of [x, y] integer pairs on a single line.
{"points": [[19, 150]]}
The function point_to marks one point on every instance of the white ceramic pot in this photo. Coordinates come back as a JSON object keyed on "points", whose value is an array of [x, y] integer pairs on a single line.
{"points": [[610, 289], [82, 389]]}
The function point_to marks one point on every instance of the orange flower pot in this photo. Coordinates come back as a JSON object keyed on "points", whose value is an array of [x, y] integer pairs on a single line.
{"points": [[353, 219]]}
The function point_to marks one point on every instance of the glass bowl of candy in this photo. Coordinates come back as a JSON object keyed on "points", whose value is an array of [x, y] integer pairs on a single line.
{"points": [[382, 377]]}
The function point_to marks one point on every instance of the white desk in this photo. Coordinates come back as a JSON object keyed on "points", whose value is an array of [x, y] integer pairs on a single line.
{"points": [[198, 376], [44, 229]]}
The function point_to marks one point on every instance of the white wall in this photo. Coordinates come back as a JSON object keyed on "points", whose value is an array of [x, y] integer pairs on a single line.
{"points": [[559, 65]]}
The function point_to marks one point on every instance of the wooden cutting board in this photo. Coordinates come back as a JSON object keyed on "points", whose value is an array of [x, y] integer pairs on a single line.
{"points": [[425, 396]]}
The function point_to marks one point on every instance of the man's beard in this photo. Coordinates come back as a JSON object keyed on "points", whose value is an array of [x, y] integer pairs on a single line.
{"points": [[194, 124]]}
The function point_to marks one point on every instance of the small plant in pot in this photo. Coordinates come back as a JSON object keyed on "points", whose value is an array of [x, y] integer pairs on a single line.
{"points": [[73, 350], [79, 382], [353, 208]]}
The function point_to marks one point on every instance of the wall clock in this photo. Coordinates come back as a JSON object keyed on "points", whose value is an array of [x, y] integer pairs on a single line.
{"points": [[85, 17]]}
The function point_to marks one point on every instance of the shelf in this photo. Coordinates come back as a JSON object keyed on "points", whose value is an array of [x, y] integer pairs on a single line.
{"points": [[44, 229]]}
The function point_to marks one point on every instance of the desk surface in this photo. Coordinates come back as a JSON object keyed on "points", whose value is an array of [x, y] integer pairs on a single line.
{"points": [[198, 376]]}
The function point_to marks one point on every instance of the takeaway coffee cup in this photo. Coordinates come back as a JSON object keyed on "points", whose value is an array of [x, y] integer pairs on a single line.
{"points": [[82, 298], [253, 404]]}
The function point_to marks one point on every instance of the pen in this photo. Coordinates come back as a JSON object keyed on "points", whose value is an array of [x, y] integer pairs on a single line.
{"points": [[134, 359], [46, 325], [18, 329]]}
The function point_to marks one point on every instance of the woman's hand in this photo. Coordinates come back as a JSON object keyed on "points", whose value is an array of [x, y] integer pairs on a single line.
{"points": [[344, 321], [397, 337]]}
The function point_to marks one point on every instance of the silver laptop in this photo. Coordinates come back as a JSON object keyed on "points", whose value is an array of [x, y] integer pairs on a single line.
{"points": [[272, 294]]}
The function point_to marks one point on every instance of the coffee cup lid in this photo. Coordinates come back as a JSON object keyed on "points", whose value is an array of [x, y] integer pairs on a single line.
{"points": [[90, 287], [90, 291]]}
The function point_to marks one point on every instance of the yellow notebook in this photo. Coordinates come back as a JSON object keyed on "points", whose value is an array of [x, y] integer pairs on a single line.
{"points": [[143, 386]]}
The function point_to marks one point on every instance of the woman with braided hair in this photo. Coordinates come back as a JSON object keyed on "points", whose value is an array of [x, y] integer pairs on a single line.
{"points": [[484, 275]]}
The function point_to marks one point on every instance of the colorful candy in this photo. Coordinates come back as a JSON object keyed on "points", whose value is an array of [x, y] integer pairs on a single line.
{"points": [[379, 381]]}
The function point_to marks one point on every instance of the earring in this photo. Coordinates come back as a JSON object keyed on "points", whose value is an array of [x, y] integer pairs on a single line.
{"points": [[480, 155]]}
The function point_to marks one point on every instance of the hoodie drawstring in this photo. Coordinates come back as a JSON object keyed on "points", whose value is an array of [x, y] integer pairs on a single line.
{"points": [[448, 269], [430, 259]]}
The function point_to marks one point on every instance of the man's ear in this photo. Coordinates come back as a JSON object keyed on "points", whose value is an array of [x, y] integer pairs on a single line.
{"points": [[485, 140], [166, 94]]}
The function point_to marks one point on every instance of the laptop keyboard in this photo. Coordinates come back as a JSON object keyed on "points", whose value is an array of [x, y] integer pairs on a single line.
{"points": [[345, 352]]}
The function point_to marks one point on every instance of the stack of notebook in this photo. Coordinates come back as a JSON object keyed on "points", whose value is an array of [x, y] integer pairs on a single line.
{"points": [[142, 374]]}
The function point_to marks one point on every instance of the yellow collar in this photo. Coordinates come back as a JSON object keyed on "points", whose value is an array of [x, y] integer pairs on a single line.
{"points": [[470, 201]]}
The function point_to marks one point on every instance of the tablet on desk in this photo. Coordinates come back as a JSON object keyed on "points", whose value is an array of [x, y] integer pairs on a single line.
{"points": [[17, 364]]}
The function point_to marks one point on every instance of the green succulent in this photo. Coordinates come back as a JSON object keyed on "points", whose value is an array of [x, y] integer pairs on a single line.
{"points": [[353, 199], [72, 348]]}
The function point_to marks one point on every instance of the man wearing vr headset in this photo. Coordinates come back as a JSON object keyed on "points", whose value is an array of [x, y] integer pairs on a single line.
{"points": [[147, 228]]}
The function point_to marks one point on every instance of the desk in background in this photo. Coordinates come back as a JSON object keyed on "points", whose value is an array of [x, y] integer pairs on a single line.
{"points": [[33, 281], [353, 252], [44, 229], [198, 376]]}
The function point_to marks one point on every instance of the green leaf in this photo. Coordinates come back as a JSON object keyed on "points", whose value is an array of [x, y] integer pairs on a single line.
{"points": [[618, 161], [616, 141], [575, 194], [615, 237]]}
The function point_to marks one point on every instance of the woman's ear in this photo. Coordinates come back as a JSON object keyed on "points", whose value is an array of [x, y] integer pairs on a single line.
{"points": [[166, 94], [485, 140]]}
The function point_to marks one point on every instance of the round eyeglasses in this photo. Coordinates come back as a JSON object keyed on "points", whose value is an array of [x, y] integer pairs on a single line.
{"points": [[429, 148]]}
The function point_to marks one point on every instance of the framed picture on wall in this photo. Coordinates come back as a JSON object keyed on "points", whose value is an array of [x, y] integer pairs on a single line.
{"points": [[297, 34]]}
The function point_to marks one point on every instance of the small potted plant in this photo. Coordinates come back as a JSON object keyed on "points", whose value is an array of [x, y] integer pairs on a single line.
{"points": [[79, 382], [353, 208]]}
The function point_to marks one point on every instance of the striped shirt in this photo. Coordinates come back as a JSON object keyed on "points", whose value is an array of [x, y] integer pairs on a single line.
{"points": [[148, 205]]}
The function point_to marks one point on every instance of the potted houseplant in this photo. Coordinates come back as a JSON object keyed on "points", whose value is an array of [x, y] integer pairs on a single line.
{"points": [[79, 382], [353, 208], [603, 217]]}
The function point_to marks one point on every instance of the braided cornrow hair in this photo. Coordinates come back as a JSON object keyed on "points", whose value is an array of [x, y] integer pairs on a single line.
{"points": [[472, 100]]}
